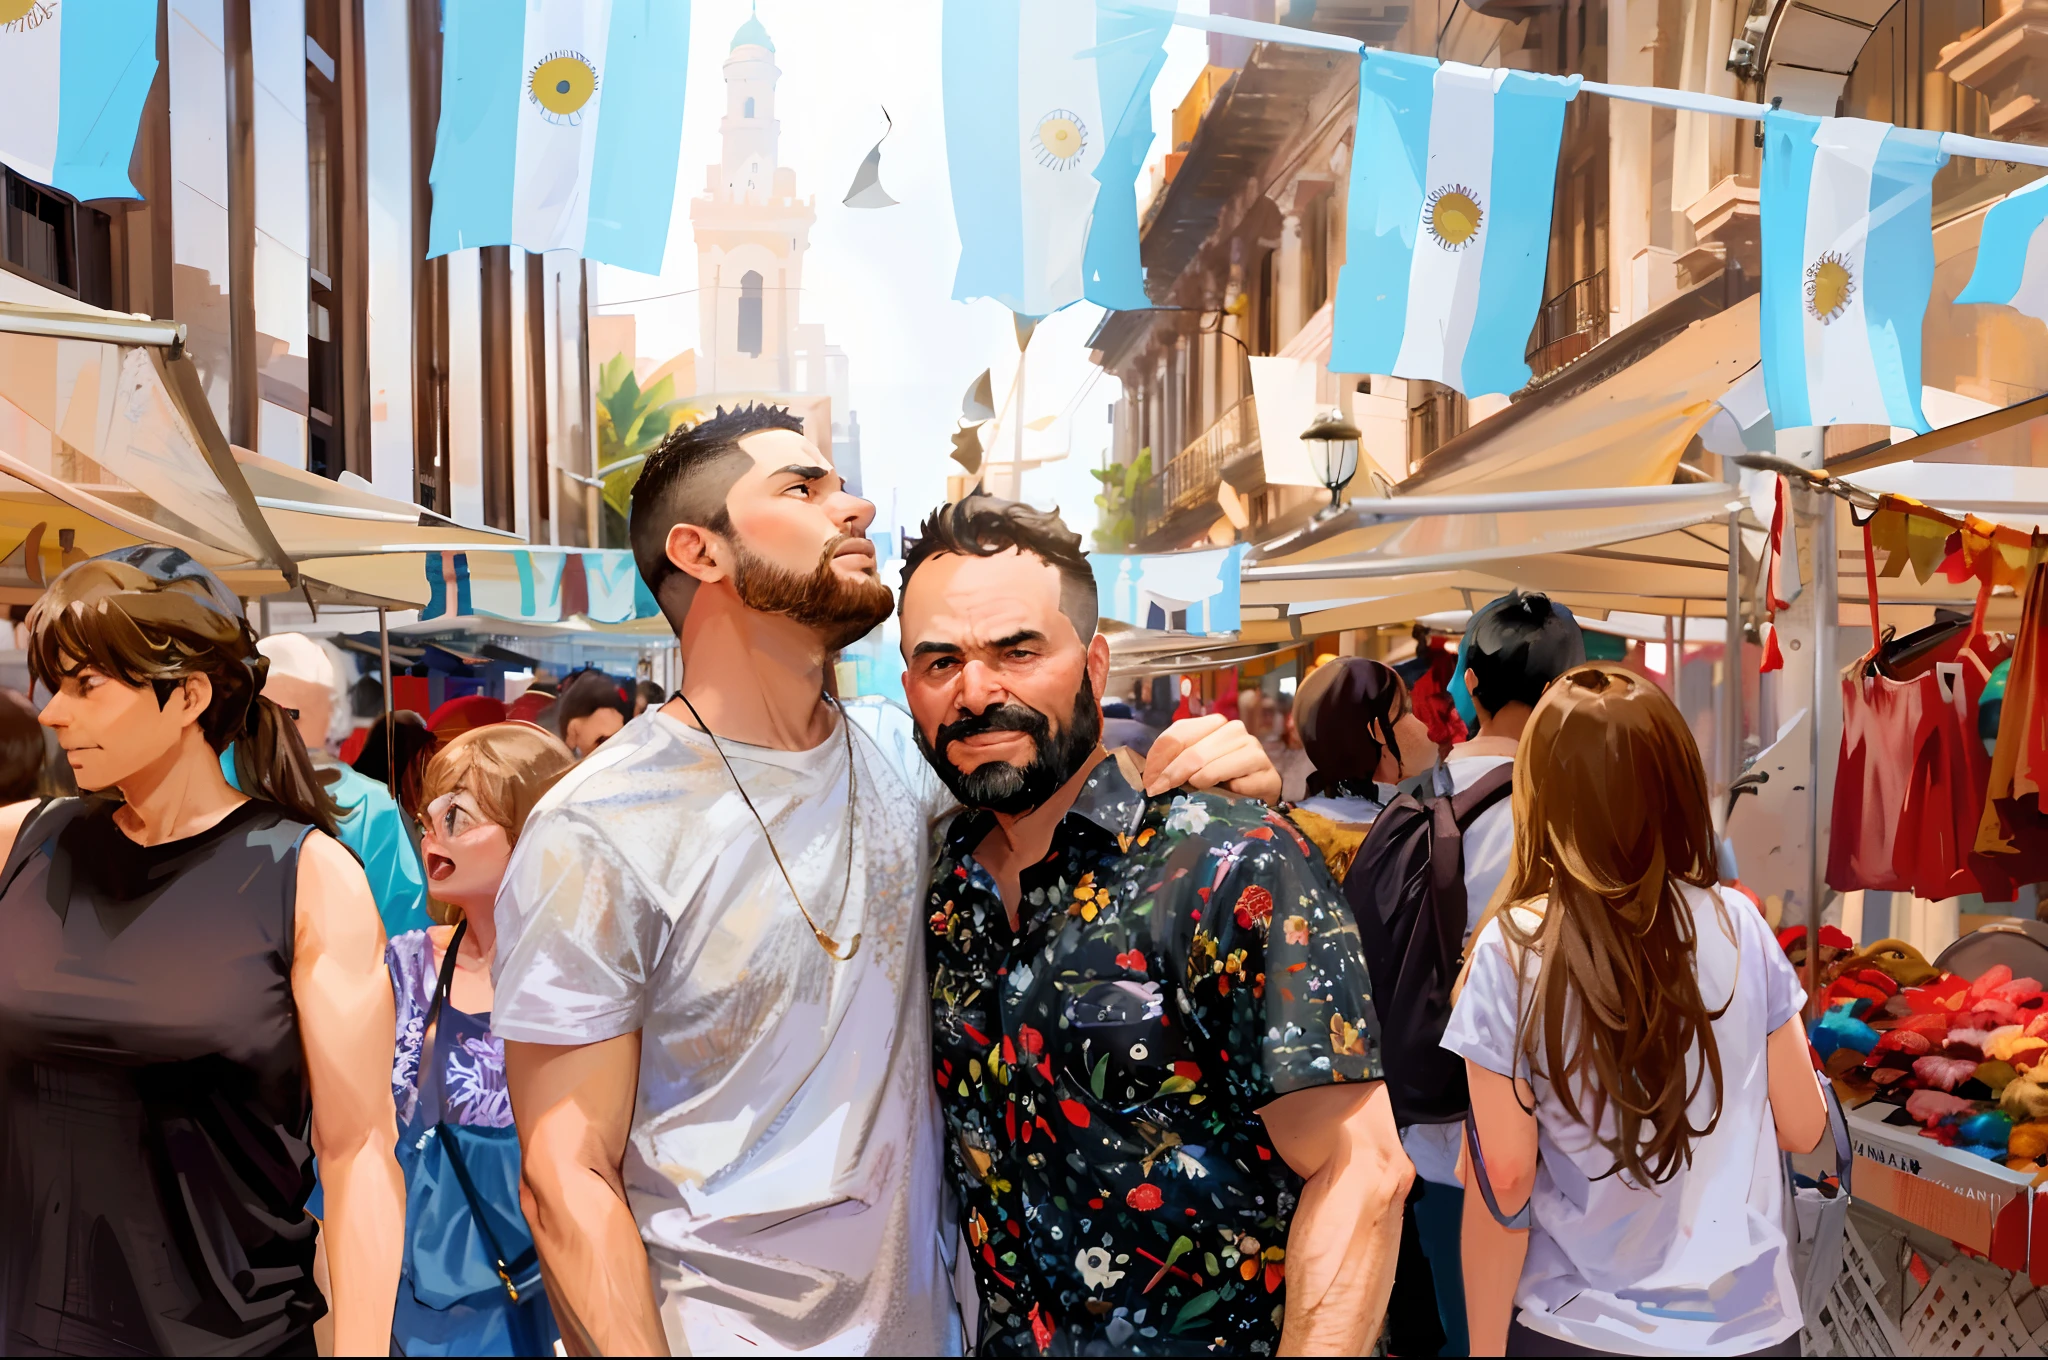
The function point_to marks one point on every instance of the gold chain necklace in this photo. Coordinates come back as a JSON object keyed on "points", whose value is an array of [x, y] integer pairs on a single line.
{"points": [[825, 942]]}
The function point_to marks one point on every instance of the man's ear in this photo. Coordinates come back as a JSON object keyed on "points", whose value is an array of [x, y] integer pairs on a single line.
{"points": [[696, 552], [1098, 667], [195, 692]]}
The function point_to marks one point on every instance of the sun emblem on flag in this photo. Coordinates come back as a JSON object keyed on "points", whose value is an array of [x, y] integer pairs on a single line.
{"points": [[19, 16], [1830, 286], [1454, 216], [1059, 139], [561, 83]]}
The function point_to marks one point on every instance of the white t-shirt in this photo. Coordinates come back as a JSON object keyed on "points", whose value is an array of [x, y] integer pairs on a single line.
{"points": [[1489, 847], [1698, 1265], [784, 1158], [1489, 841]]}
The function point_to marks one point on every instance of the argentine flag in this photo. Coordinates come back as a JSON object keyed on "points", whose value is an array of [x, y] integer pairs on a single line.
{"points": [[1048, 119], [2012, 253], [73, 78], [1848, 262], [1449, 222], [561, 124]]}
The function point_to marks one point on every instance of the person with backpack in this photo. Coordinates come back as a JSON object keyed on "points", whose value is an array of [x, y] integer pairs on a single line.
{"points": [[1632, 1044], [1357, 729], [1419, 885]]}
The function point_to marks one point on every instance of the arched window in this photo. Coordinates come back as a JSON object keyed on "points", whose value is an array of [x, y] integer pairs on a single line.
{"points": [[750, 314], [749, 113]]}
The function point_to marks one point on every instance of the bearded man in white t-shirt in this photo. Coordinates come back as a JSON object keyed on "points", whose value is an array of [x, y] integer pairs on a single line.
{"points": [[714, 1019]]}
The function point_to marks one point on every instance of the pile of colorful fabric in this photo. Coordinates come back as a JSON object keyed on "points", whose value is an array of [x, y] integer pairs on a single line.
{"points": [[1966, 1059]]}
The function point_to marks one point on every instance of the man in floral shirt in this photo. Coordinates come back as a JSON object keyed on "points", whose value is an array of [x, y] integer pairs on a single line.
{"points": [[1152, 1025]]}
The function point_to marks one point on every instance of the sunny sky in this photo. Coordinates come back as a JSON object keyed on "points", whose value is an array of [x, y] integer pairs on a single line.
{"points": [[881, 281]]}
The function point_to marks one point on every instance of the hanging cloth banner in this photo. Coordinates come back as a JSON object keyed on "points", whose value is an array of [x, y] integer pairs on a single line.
{"points": [[1449, 221], [73, 79], [560, 127], [2012, 253], [1048, 120], [1195, 592], [1848, 257], [539, 585]]}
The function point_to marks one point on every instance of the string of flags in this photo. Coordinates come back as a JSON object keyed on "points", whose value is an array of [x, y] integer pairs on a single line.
{"points": [[93, 67], [561, 128], [1450, 209]]}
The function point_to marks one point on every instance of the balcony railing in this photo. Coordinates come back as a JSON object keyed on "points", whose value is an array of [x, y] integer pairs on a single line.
{"points": [[1191, 476], [1568, 326]]}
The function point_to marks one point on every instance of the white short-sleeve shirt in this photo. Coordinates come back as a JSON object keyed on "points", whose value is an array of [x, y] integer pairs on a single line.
{"points": [[784, 1157], [1698, 1265]]}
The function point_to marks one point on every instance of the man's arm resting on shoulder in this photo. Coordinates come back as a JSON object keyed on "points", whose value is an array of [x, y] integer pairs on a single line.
{"points": [[1346, 1234], [1210, 752], [574, 1108]]}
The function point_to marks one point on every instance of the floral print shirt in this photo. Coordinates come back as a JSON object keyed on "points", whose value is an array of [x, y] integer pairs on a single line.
{"points": [[1180, 961], [473, 1092]]}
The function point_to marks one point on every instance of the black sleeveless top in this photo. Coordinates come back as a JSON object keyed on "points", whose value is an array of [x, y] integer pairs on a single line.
{"points": [[155, 1153]]}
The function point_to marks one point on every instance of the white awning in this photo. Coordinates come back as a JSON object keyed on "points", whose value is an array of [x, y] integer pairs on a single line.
{"points": [[105, 430]]}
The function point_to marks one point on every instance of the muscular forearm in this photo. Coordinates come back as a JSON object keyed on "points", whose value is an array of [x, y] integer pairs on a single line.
{"points": [[365, 1232], [594, 1262], [1341, 1251], [1492, 1258]]}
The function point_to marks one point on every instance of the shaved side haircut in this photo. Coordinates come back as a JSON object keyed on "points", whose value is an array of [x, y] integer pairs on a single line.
{"points": [[685, 481], [980, 525]]}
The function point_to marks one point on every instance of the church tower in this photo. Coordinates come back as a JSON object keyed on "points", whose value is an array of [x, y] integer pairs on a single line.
{"points": [[751, 231]]}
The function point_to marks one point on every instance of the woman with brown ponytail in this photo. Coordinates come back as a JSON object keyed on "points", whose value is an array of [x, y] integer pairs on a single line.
{"points": [[1633, 1043], [194, 1001]]}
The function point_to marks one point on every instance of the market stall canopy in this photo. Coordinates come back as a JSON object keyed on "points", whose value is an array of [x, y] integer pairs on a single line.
{"points": [[1142, 653], [350, 544], [105, 413], [105, 429], [1627, 428]]}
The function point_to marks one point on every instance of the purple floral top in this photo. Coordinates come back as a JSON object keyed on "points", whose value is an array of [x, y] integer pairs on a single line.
{"points": [[473, 1061]]}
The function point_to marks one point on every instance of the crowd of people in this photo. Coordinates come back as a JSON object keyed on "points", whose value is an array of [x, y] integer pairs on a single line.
{"points": [[743, 1020]]}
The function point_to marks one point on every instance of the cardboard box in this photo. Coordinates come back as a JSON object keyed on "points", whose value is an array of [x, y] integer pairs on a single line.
{"points": [[1975, 1203]]}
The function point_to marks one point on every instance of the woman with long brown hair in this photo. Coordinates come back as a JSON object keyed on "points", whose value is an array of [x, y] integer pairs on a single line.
{"points": [[1633, 1042], [194, 1001]]}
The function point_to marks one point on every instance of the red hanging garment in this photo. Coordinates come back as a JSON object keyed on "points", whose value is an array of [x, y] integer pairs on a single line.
{"points": [[1909, 784], [1936, 847]]}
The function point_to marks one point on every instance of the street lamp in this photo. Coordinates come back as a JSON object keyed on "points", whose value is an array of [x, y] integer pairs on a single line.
{"points": [[1332, 451]]}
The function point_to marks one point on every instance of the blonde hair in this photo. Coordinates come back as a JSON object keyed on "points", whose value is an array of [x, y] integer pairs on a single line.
{"points": [[506, 767]]}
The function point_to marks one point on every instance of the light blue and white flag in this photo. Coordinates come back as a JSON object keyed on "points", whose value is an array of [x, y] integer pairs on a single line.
{"points": [[73, 78], [2012, 253], [1848, 262], [1048, 120], [561, 124], [1449, 225]]}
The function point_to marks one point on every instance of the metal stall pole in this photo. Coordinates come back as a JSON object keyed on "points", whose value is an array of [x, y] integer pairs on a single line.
{"points": [[1732, 665], [1678, 660], [384, 661], [1826, 617]]}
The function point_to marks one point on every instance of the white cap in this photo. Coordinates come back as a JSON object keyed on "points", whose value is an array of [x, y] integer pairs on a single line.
{"points": [[298, 657]]}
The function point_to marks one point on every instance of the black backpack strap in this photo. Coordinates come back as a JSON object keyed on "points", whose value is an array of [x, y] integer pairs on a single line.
{"points": [[1448, 819], [1488, 789]]}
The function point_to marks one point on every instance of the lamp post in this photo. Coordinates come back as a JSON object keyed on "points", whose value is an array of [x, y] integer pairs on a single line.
{"points": [[1332, 452]]}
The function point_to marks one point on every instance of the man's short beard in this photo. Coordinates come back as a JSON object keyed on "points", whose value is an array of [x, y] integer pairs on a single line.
{"points": [[999, 786], [841, 609]]}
